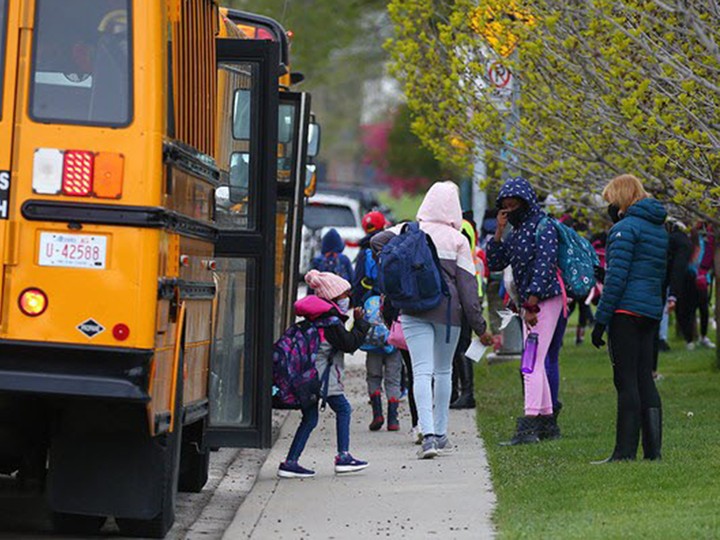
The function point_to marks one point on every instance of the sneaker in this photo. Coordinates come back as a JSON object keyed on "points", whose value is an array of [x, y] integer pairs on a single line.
{"points": [[428, 450], [345, 463], [292, 469], [690, 346], [444, 446], [705, 342], [416, 435]]}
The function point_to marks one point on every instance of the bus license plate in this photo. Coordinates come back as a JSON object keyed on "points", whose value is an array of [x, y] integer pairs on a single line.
{"points": [[73, 250]]}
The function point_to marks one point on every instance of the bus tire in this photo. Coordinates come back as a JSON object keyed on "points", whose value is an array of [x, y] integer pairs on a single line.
{"points": [[77, 523], [158, 526], [194, 460]]}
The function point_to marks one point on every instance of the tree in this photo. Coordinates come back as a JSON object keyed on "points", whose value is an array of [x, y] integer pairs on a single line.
{"points": [[606, 86]]}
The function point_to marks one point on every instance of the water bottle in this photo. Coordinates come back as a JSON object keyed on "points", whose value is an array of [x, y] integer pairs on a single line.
{"points": [[527, 364]]}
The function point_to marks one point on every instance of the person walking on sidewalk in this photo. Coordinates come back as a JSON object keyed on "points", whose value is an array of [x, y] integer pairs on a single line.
{"points": [[383, 363], [331, 299], [533, 256], [631, 308], [430, 336]]}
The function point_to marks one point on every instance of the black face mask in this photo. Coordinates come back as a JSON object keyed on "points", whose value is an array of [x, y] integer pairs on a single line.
{"points": [[614, 213], [517, 216]]}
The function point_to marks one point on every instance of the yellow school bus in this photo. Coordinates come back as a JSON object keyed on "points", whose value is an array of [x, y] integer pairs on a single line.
{"points": [[139, 226]]}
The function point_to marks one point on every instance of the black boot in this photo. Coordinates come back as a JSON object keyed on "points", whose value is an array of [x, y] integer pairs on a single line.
{"points": [[466, 400], [627, 436], [378, 419], [526, 432], [549, 429], [393, 422], [652, 433]]}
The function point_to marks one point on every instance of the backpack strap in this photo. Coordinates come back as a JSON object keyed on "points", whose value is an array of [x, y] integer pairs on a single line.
{"points": [[325, 380]]}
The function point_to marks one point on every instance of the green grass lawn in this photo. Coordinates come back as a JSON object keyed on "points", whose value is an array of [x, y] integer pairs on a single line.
{"points": [[549, 490]]}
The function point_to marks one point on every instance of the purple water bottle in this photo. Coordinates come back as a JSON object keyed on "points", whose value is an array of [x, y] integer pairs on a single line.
{"points": [[527, 364]]}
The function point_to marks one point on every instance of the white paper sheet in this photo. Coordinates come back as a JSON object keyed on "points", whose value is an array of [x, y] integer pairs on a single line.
{"points": [[476, 350]]}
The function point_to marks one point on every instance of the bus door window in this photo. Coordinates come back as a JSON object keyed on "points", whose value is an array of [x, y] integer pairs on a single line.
{"points": [[81, 63], [286, 141], [235, 200]]}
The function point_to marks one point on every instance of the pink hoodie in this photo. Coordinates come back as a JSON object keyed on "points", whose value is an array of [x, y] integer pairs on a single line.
{"points": [[440, 217]]}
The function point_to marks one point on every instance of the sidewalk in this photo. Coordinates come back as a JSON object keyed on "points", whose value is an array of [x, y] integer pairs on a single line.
{"points": [[398, 496]]}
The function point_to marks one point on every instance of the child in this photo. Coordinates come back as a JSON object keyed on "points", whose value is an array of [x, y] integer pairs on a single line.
{"points": [[332, 259], [331, 300]]}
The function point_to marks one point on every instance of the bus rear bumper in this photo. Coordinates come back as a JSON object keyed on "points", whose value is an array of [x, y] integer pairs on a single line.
{"points": [[55, 369]]}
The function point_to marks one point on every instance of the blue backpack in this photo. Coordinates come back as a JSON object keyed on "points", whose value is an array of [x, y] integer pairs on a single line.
{"points": [[577, 259], [376, 338], [410, 274], [296, 383]]}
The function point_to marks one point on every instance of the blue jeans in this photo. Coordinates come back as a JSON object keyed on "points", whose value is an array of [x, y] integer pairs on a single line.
{"points": [[341, 408], [432, 363], [552, 360]]}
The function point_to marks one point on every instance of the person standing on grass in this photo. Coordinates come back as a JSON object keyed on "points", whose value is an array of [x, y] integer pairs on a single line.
{"points": [[631, 308], [533, 255], [431, 352]]}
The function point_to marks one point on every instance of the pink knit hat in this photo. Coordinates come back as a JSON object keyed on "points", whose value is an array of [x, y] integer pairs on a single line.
{"points": [[326, 284]]}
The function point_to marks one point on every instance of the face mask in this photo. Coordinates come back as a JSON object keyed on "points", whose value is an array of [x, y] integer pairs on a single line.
{"points": [[343, 305], [517, 216], [614, 213]]}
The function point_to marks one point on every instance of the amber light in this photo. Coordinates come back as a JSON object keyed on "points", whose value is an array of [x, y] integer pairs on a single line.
{"points": [[33, 302], [121, 332]]}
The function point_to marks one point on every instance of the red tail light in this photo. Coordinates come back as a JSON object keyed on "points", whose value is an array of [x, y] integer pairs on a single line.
{"points": [[33, 302], [77, 177]]}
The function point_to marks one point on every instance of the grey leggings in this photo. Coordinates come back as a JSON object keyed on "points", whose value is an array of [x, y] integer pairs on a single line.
{"points": [[384, 366]]}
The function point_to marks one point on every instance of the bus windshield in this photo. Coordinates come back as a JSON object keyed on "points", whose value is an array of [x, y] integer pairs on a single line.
{"points": [[3, 17], [81, 63]]}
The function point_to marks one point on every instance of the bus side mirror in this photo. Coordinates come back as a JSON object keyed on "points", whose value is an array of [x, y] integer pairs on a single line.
{"points": [[313, 140]]}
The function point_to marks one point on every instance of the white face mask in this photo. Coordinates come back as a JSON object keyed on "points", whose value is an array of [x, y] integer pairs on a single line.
{"points": [[344, 305]]}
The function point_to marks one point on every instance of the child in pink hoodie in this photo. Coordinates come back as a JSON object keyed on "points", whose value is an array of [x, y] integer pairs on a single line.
{"points": [[330, 301]]}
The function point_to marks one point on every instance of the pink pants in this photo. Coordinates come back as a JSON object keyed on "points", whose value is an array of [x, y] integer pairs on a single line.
{"points": [[538, 399]]}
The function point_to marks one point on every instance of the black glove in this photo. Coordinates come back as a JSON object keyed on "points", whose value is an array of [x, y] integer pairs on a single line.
{"points": [[597, 335]]}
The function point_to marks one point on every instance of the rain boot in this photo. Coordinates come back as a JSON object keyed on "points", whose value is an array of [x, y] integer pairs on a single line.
{"points": [[378, 419], [652, 433], [549, 429], [627, 435], [393, 423], [466, 400], [526, 432]]}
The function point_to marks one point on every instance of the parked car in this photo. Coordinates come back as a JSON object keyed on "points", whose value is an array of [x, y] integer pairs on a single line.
{"points": [[324, 212]]}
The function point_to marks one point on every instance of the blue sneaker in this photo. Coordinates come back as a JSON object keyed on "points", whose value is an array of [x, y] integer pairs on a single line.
{"points": [[345, 463], [292, 469]]}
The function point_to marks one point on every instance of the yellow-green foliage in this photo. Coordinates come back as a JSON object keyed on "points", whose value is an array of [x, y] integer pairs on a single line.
{"points": [[606, 86]]}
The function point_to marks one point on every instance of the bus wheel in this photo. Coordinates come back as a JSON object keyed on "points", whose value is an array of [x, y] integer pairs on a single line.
{"points": [[77, 523], [194, 460], [158, 526]]}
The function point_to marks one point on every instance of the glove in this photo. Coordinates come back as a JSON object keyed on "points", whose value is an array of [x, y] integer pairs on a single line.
{"points": [[597, 335]]}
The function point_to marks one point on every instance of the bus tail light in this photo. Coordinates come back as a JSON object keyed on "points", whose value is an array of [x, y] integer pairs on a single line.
{"points": [[33, 302], [77, 178], [121, 331], [47, 171], [108, 176]]}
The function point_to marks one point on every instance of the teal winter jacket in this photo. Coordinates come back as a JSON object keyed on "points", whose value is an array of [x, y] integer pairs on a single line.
{"points": [[636, 263]]}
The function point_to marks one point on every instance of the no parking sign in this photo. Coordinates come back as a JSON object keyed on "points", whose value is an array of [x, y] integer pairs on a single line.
{"points": [[500, 76]]}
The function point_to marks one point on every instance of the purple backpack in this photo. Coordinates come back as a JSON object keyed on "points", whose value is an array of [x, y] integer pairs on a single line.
{"points": [[296, 383]]}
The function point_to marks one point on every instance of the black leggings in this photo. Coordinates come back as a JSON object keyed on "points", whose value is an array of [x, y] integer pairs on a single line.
{"points": [[689, 302], [632, 347], [411, 396]]}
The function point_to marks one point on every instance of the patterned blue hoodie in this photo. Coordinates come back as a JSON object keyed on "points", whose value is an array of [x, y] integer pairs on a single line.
{"points": [[534, 263]]}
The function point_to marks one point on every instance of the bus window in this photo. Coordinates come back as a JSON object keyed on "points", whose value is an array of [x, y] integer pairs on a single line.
{"points": [[3, 24], [81, 63]]}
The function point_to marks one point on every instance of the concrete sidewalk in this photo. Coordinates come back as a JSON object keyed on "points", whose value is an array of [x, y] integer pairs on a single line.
{"points": [[398, 496]]}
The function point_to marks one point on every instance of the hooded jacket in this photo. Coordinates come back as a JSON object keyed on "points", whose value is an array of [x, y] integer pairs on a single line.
{"points": [[636, 263], [440, 217], [362, 282], [533, 257], [333, 245], [336, 340]]}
